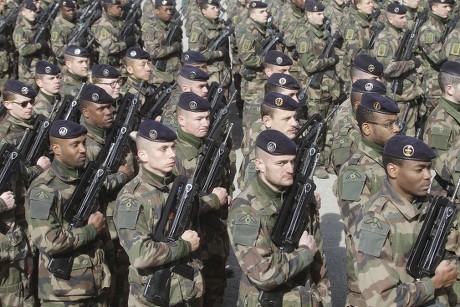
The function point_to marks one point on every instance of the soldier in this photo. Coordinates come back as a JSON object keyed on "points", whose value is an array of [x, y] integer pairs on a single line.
{"points": [[7, 50], [29, 52], [404, 72], [363, 174], [195, 59], [335, 12], [139, 207], [61, 29], [51, 234], [77, 63], [107, 77], [48, 80], [107, 31], [250, 223], [154, 33], [205, 30], [412, 7], [433, 55], [139, 68], [236, 11], [388, 228], [193, 121]]}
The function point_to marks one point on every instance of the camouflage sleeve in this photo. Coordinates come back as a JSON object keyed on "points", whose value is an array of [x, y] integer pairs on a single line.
{"points": [[264, 265], [430, 48], [131, 220], [385, 53], [198, 42], [309, 58], [153, 44], [379, 279], [318, 269], [13, 246], [33, 171], [452, 45], [208, 203], [23, 46], [247, 51], [58, 41], [46, 229]]}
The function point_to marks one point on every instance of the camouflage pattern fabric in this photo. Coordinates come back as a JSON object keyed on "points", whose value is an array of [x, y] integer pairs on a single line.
{"points": [[60, 32]]}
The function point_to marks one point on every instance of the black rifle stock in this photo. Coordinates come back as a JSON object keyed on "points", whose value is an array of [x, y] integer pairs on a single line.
{"points": [[217, 97], [317, 77], [153, 106], [71, 111], [221, 39], [174, 28], [429, 248]]}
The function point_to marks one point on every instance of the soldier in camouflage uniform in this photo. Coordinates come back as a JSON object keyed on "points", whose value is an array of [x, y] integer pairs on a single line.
{"points": [[195, 59], [388, 228], [139, 207], [404, 72], [29, 53], [363, 174], [413, 8], [236, 11], [193, 121], [335, 12], [51, 234], [431, 49], [204, 31], [452, 44], [154, 33], [48, 80], [61, 29], [107, 31], [76, 61], [108, 78], [7, 49], [300, 276]]}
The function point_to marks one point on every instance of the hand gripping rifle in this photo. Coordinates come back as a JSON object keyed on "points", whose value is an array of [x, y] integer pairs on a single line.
{"points": [[175, 26], [71, 107], [429, 248], [221, 40], [328, 51], [86, 20], [153, 105]]}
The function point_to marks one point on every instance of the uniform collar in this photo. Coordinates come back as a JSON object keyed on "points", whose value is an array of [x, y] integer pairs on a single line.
{"points": [[50, 98], [452, 104], [100, 132], [271, 200], [19, 122], [155, 180], [65, 172], [188, 138], [76, 78], [371, 150], [409, 210]]}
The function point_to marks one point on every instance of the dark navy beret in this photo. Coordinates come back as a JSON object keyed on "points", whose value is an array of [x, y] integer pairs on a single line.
{"points": [[314, 6], [369, 86], [280, 101], [68, 3], [378, 103], [210, 2], [408, 148], [442, 1], [278, 58], [77, 51], [275, 143], [257, 5], [192, 102], [193, 73], [284, 81], [396, 8], [30, 5], [192, 57], [46, 68], [451, 67], [113, 2], [164, 2], [105, 71], [368, 64], [20, 88], [94, 93], [66, 129], [137, 53], [156, 132]]}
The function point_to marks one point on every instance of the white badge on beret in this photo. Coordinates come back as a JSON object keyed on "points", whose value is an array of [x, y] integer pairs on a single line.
{"points": [[371, 68], [164, 2], [315, 8], [377, 106], [133, 53], [279, 60], [279, 101], [282, 81], [442, 1], [77, 51], [408, 150], [271, 146], [47, 69], [253, 4], [63, 131], [24, 90], [105, 72], [396, 9], [368, 87], [153, 134], [192, 75], [193, 105], [95, 97], [186, 57]]}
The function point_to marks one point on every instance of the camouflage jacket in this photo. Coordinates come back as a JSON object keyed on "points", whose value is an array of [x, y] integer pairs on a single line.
{"points": [[45, 202], [138, 209], [60, 32], [265, 267], [106, 31], [168, 117], [154, 34], [71, 84], [236, 11], [452, 45], [44, 103], [384, 238], [22, 36], [336, 13], [385, 48]]}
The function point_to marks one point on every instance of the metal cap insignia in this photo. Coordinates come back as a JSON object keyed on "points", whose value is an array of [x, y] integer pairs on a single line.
{"points": [[193, 105], [95, 97], [133, 53], [153, 134], [24, 90], [105, 72], [371, 67], [63, 131], [279, 60], [282, 81], [279, 101], [77, 51], [47, 69], [408, 150], [377, 106], [368, 87], [271, 146]]}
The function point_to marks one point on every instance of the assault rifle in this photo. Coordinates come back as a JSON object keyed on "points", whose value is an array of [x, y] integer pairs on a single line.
{"points": [[153, 105], [131, 20], [86, 20], [71, 110], [429, 248], [328, 51], [221, 39], [43, 22], [175, 26], [216, 96], [405, 49], [8, 23], [377, 28]]}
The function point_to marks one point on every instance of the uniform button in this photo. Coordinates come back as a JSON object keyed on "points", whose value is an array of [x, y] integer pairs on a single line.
{"points": [[353, 176], [341, 141], [85, 262], [144, 278]]}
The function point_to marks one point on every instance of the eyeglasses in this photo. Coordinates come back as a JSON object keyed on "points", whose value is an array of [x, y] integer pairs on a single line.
{"points": [[114, 83], [389, 125], [23, 104]]}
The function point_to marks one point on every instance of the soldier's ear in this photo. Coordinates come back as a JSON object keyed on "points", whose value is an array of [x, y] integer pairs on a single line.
{"points": [[7, 105], [260, 166], [39, 82], [392, 170], [366, 129], [56, 148], [85, 112], [267, 120], [142, 155], [449, 89], [129, 69], [181, 120]]}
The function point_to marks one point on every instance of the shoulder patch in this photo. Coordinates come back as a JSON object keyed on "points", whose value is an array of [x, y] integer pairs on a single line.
{"points": [[104, 34], [40, 203], [440, 137], [17, 38], [429, 38], [128, 212], [194, 37], [372, 236], [382, 50], [245, 229], [349, 34], [246, 45], [352, 184], [303, 47], [455, 49], [54, 36]]}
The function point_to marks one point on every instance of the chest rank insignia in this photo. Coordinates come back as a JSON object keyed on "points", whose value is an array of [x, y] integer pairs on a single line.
{"points": [[374, 222], [354, 175], [41, 195]]}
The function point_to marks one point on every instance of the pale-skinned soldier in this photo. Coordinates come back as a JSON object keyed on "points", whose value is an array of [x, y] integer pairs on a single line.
{"points": [[48, 80], [62, 27], [76, 61], [108, 78]]}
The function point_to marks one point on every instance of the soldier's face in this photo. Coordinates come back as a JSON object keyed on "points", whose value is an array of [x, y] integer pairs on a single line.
{"points": [[98, 115], [29, 14], [290, 93], [365, 7], [399, 21], [276, 171], [71, 152], [111, 86], [194, 123], [140, 69], [273, 69], [68, 13], [411, 3], [299, 3], [50, 85], [410, 179], [283, 121], [259, 15], [199, 88], [164, 12], [212, 12], [158, 157], [2, 5], [315, 18], [115, 10], [382, 128], [441, 10], [20, 107], [78, 66]]}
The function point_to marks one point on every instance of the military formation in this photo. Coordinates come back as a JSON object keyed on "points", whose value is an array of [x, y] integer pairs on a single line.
{"points": [[118, 177]]}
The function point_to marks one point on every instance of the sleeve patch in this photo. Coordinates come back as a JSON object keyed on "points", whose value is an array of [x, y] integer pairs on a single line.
{"points": [[440, 137], [373, 235], [40, 204], [194, 37], [246, 45], [128, 212], [455, 49], [246, 229], [104, 34], [429, 38], [352, 185], [303, 47], [54, 36], [349, 34], [382, 50]]}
